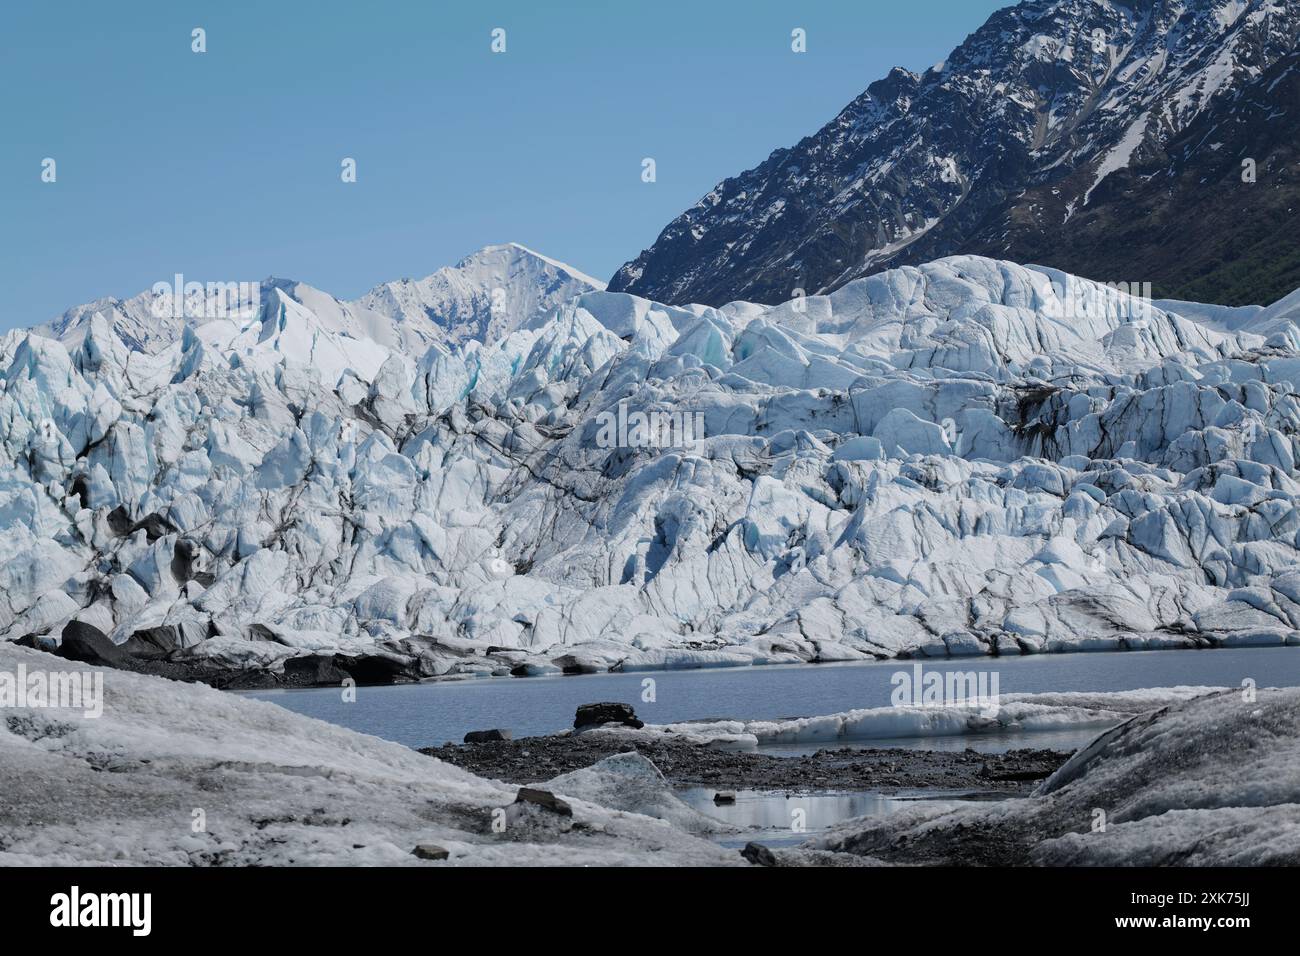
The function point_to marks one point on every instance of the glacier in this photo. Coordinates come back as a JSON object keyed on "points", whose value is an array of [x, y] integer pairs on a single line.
{"points": [[967, 457]]}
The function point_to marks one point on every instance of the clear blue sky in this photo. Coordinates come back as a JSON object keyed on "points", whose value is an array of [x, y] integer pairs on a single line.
{"points": [[225, 166]]}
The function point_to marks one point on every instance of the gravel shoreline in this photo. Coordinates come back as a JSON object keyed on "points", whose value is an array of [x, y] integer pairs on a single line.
{"points": [[683, 763]]}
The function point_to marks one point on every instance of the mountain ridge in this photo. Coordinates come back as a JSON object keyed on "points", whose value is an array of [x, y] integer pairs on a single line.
{"points": [[455, 303], [1033, 120]]}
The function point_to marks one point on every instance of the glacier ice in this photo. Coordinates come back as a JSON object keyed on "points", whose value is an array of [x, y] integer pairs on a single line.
{"points": [[175, 775], [966, 457], [1210, 780], [1010, 713]]}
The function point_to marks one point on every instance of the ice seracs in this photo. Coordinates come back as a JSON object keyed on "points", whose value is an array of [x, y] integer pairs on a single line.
{"points": [[965, 457]]}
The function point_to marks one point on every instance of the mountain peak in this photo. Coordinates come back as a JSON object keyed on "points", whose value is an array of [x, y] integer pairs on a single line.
{"points": [[518, 251], [484, 296]]}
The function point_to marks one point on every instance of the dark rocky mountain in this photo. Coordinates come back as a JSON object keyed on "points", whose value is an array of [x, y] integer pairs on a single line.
{"points": [[1104, 137]]}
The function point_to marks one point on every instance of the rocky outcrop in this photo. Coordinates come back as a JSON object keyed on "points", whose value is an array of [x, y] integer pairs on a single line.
{"points": [[598, 715]]}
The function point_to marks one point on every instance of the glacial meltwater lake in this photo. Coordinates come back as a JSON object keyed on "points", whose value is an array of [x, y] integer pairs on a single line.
{"points": [[438, 712]]}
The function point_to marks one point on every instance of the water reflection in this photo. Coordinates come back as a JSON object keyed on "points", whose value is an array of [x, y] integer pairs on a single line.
{"points": [[787, 818]]}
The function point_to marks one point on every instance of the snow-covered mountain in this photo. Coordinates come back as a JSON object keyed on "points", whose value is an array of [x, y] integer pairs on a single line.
{"points": [[1104, 137], [137, 322], [484, 296], [967, 457], [478, 298]]}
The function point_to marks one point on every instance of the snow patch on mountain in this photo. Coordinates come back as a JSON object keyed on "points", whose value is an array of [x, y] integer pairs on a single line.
{"points": [[1118, 158]]}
